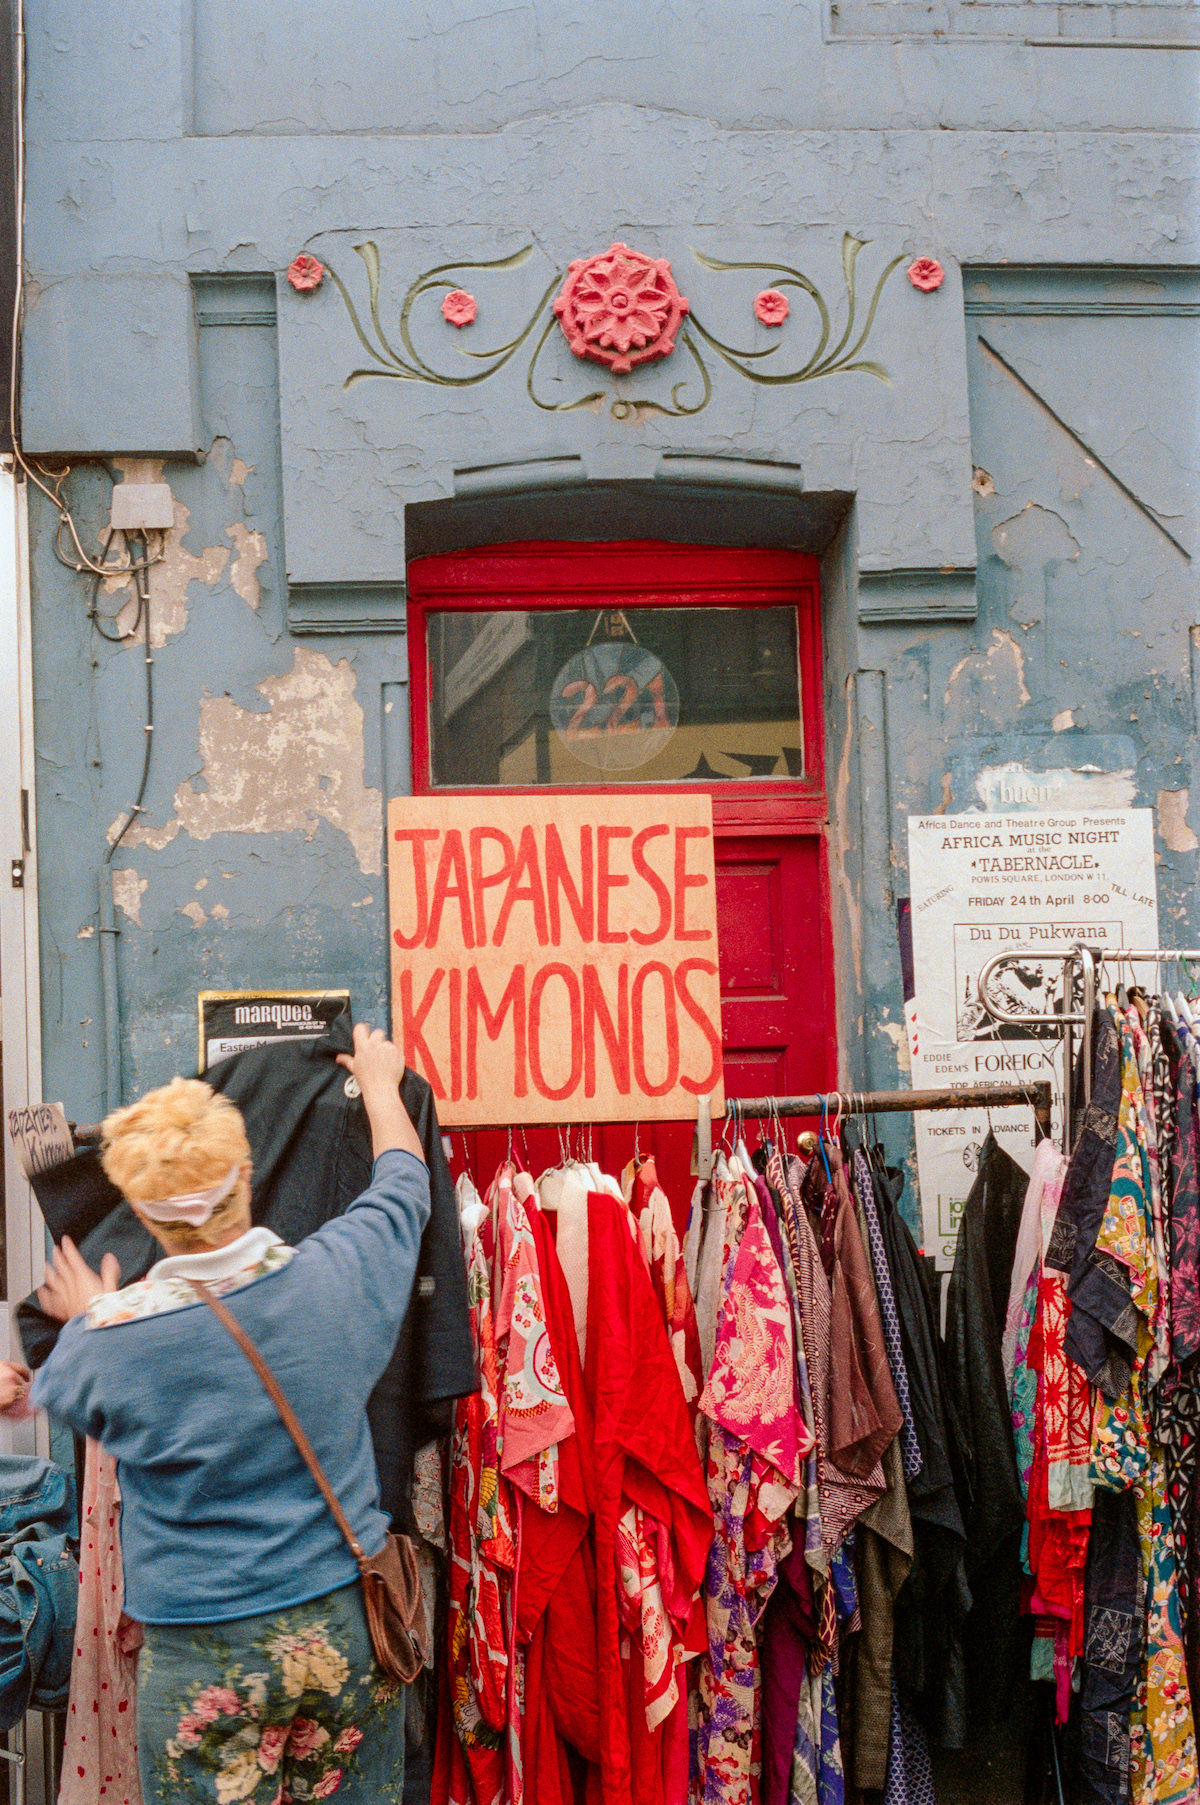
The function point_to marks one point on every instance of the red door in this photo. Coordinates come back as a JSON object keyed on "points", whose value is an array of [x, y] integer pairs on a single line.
{"points": [[740, 631], [775, 1004]]}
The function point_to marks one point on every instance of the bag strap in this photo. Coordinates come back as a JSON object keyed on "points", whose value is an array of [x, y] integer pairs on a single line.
{"points": [[291, 1421]]}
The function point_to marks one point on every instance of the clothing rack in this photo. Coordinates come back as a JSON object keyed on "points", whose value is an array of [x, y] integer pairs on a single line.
{"points": [[1084, 962], [852, 1103], [833, 1105]]}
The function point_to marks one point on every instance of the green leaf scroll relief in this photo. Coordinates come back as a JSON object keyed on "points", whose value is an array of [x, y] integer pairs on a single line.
{"points": [[842, 331]]}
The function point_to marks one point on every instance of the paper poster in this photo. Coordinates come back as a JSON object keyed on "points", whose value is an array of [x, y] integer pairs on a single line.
{"points": [[985, 884], [232, 1021], [554, 957]]}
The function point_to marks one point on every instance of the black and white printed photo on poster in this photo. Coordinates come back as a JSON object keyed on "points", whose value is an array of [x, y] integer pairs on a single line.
{"points": [[1029, 886], [232, 1021]]}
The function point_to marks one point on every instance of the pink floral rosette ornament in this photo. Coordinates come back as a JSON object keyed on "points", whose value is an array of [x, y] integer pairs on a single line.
{"points": [[926, 274], [305, 273], [772, 307], [459, 307], [620, 308]]}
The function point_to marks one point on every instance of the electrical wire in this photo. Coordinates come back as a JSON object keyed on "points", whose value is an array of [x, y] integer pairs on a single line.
{"points": [[94, 615], [142, 584], [53, 494]]}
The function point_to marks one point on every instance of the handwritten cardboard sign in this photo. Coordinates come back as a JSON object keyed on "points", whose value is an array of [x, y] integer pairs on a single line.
{"points": [[554, 958], [41, 1137]]}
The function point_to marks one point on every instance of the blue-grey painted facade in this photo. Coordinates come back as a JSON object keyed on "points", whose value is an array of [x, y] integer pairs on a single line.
{"points": [[1005, 503]]}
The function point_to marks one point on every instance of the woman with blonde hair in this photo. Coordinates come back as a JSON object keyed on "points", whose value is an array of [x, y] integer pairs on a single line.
{"points": [[257, 1679]]}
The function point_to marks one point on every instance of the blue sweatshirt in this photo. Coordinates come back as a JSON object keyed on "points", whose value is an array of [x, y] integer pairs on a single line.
{"points": [[220, 1516]]}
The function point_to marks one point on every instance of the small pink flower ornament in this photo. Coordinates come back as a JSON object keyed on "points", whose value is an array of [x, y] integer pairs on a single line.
{"points": [[926, 274], [772, 307], [459, 308], [305, 273]]}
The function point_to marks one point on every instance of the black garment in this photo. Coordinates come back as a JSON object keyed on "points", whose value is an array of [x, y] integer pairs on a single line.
{"points": [[997, 1640], [311, 1148], [1114, 1611], [933, 1603], [1093, 1280]]}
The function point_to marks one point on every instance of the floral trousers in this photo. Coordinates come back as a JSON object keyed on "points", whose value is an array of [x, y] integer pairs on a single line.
{"points": [[275, 1710]]}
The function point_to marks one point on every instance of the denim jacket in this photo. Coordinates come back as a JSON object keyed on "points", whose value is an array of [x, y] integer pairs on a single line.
{"points": [[39, 1585]]}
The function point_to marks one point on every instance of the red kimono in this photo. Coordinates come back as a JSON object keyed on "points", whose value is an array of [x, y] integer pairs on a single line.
{"points": [[556, 1591], [645, 1460]]}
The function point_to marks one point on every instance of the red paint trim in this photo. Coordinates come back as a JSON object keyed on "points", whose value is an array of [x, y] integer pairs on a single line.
{"points": [[652, 574]]}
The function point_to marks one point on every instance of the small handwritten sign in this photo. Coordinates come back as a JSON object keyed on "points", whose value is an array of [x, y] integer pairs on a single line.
{"points": [[554, 957], [40, 1137]]}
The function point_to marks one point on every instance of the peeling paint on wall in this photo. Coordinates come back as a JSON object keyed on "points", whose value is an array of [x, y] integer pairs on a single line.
{"points": [[987, 686], [1173, 829], [171, 575], [284, 769], [1033, 544], [899, 1039], [1016, 787], [250, 550], [128, 890]]}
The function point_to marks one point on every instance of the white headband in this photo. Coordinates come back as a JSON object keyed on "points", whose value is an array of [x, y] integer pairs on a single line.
{"points": [[193, 1207]]}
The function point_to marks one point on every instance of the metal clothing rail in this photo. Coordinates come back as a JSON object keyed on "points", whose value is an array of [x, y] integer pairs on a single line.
{"points": [[1086, 962], [852, 1103]]}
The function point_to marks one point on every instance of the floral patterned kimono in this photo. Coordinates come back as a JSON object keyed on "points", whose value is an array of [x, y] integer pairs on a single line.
{"points": [[534, 1415], [1126, 1454], [757, 1448], [482, 1543]]}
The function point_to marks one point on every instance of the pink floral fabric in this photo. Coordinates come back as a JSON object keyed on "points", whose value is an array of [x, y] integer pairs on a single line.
{"points": [[483, 1557], [534, 1413], [756, 1451]]}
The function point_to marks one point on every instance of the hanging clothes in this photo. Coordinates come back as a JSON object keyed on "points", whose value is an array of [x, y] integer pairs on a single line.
{"points": [[1086, 1193], [932, 1607], [1125, 1453], [1183, 1168], [645, 1462], [791, 1624], [469, 1766], [534, 1415], [556, 1595], [884, 1533], [1052, 1424], [976, 1308], [664, 1255], [864, 1415], [848, 1484], [757, 1446]]}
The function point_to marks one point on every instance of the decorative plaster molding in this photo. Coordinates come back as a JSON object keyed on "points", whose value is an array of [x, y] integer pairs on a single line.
{"points": [[621, 308], [588, 317], [346, 608], [902, 596]]}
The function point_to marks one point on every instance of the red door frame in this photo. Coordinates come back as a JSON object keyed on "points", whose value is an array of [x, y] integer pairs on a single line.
{"points": [[539, 574]]}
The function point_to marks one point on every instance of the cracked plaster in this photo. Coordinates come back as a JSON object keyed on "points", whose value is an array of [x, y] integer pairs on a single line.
{"points": [[281, 770]]}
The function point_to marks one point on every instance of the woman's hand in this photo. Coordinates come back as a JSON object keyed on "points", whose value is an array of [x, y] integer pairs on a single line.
{"points": [[379, 1066], [14, 1389], [70, 1284]]}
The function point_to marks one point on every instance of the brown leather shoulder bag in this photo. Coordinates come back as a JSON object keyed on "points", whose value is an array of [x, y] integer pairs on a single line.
{"points": [[391, 1584]]}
